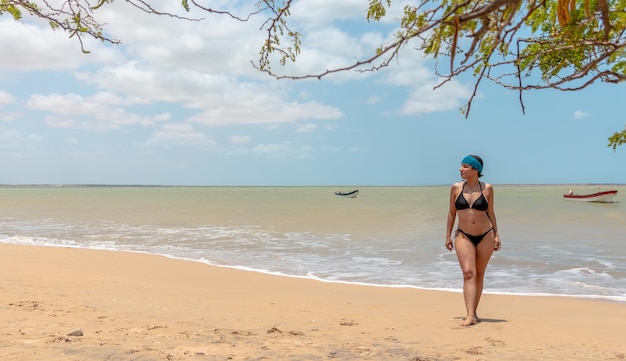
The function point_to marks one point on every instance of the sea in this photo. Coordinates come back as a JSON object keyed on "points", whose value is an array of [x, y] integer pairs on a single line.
{"points": [[386, 237]]}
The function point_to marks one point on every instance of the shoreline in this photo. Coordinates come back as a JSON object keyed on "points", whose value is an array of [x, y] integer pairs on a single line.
{"points": [[444, 185], [617, 299], [142, 306]]}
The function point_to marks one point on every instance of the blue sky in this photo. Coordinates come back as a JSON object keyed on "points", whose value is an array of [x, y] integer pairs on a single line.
{"points": [[178, 103]]}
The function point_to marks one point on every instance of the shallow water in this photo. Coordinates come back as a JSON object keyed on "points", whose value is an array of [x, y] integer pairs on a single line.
{"points": [[388, 236]]}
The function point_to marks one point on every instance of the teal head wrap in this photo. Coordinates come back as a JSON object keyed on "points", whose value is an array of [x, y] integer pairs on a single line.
{"points": [[474, 163]]}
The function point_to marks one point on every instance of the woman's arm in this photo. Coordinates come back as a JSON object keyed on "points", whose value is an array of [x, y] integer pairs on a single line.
{"points": [[491, 213], [451, 217]]}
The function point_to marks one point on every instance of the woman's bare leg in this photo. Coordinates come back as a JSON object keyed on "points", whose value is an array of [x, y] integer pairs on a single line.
{"points": [[484, 251], [473, 261], [466, 253]]}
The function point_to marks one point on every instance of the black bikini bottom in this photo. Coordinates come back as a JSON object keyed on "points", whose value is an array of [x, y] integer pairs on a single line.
{"points": [[474, 239]]}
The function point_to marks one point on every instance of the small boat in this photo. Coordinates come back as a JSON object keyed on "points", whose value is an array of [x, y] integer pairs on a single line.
{"points": [[602, 197], [352, 194]]}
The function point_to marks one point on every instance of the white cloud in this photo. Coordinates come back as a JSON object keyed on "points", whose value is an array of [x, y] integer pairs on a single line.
{"points": [[374, 99], [269, 112], [321, 12], [176, 134], [18, 142], [306, 128], [423, 99], [98, 112], [334, 43], [10, 116], [64, 104], [579, 114], [272, 150], [240, 139], [38, 47], [284, 151], [215, 44], [221, 99], [6, 98], [200, 65], [412, 71]]}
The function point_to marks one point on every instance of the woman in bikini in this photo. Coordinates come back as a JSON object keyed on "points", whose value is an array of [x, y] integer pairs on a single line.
{"points": [[476, 236]]}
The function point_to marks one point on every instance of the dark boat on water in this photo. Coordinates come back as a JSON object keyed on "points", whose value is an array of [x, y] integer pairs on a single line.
{"points": [[352, 194]]}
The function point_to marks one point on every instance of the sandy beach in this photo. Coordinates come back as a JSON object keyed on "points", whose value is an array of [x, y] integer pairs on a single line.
{"points": [[75, 304]]}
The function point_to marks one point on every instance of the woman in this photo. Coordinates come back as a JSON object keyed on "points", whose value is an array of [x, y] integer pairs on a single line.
{"points": [[476, 236]]}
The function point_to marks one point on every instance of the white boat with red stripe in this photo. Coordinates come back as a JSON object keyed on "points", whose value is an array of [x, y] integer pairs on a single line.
{"points": [[601, 197]]}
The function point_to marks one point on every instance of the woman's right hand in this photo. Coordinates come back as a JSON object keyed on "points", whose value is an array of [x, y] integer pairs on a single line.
{"points": [[449, 245]]}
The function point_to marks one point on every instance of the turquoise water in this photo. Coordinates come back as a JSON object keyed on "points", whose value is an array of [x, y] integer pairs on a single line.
{"points": [[388, 236]]}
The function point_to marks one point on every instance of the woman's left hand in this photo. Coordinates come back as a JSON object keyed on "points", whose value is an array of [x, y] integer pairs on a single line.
{"points": [[497, 244], [449, 245]]}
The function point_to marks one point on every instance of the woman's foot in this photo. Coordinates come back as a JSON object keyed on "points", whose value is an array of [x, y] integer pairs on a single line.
{"points": [[469, 321]]}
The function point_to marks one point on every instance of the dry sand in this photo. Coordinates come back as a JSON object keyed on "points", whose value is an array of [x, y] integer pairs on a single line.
{"points": [[144, 307]]}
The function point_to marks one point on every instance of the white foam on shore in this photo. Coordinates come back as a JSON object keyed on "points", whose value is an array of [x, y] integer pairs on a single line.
{"points": [[354, 279]]}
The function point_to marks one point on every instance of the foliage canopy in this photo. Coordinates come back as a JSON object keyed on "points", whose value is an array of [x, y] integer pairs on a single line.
{"points": [[518, 44]]}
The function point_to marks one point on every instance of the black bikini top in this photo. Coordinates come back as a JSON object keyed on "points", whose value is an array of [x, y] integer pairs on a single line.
{"points": [[479, 204]]}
